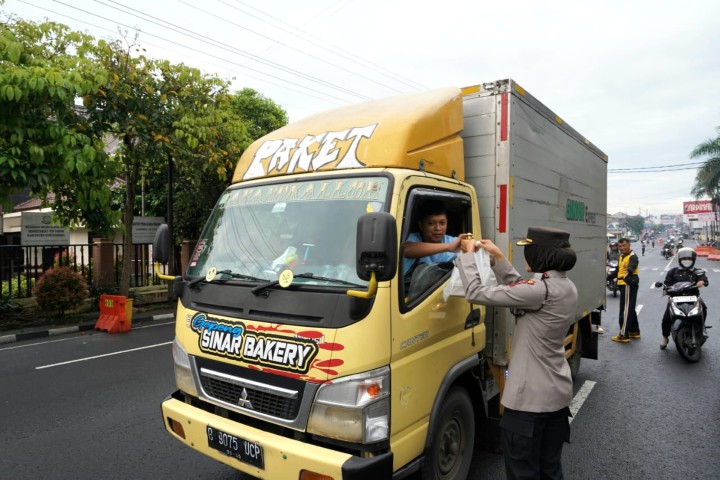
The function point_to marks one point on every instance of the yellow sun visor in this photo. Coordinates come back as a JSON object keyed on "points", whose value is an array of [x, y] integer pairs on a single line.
{"points": [[418, 131]]}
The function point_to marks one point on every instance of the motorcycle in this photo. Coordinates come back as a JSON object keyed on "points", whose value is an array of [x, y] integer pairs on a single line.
{"points": [[688, 329], [611, 267], [667, 251]]}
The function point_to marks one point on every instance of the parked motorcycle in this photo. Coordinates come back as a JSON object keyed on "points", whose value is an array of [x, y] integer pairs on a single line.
{"points": [[611, 267], [688, 329]]}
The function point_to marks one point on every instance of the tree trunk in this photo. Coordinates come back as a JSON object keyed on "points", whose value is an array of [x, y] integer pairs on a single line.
{"points": [[131, 177]]}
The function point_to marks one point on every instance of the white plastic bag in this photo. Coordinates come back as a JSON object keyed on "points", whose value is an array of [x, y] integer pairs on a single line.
{"points": [[455, 287]]}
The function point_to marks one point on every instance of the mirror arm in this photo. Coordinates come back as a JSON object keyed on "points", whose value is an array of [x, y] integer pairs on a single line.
{"points": [[162, 276], [372, 289]]}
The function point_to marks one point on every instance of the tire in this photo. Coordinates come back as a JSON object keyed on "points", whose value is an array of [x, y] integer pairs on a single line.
{"points": [[450, 453], [615, 290], [683, 343], [574, 360]]}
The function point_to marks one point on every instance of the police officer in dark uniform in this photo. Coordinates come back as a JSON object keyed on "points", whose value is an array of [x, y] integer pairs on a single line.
{"points": [[538, 389], [685, 272]]}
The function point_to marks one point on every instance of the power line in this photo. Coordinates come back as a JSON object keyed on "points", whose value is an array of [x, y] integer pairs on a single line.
{"points": [[303, 52], [203, 38], [659, 168], [335, 50], [324, 93]]}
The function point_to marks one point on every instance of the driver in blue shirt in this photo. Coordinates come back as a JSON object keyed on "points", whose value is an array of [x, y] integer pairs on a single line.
{"points": [[431, 244]]}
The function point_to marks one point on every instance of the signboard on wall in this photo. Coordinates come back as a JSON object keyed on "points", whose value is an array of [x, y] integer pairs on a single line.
{"points": [[36, 229], [144, 228]]}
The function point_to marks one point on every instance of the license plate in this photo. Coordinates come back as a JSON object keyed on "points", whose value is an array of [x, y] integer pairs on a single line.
{"points": [[685, 299], [236, 447]]}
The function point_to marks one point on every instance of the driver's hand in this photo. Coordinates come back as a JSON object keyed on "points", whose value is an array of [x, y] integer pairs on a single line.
{"points": [[700, 283]]}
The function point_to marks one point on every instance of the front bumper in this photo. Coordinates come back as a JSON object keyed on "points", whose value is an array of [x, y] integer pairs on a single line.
{"points": [[284, 458]]}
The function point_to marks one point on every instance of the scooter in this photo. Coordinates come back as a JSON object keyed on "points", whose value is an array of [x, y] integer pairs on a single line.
{"points": [[611, 267], [688, 329], [667, 251]]}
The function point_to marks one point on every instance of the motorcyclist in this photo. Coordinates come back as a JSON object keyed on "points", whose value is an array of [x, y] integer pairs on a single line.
{"points": [[613, 253], [685, 272]]}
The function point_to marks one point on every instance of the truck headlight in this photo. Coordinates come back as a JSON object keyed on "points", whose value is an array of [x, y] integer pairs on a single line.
{"points": [[354, 409], [183, 371]]}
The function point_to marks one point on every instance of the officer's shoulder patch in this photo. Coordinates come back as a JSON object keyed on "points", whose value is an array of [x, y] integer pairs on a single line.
{"points": [[522, 282]]}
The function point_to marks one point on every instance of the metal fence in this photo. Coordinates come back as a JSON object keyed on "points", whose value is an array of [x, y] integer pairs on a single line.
{"points": [[21, 266]]}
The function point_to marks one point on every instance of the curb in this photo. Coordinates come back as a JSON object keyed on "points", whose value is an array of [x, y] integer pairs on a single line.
{"points": [[19, 337]]}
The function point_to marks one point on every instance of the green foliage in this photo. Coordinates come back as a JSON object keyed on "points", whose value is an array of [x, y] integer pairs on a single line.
{"points": [[12, 285], [7, 304], [46, 143], [157, 111], [635, 224], [261, 114], [60, 289], [707, 179]]}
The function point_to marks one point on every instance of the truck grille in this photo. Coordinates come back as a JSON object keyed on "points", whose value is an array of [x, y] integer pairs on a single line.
{"points": [[249, 397]]}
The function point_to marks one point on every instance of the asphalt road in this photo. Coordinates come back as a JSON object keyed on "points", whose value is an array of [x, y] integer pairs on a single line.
{"points": [[86, 406]]}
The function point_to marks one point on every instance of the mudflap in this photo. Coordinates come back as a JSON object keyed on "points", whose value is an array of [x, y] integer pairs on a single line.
{"points": [[588, 336]]}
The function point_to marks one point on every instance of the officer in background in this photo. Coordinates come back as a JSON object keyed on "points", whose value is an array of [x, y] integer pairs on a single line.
{"points": [[628, 281], [538, 389]]}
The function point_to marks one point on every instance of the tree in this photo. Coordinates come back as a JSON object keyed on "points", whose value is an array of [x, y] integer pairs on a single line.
{"points": [[707, 179], [195, 197], [635, 224], [46, 142], [260, 114], [168, 117]]}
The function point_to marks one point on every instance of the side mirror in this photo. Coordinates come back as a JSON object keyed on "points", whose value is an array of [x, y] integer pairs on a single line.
{"points": [[376, 246], [161, 244], [658, 284]]}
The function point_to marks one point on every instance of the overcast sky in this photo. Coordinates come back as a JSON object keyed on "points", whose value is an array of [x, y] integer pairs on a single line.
{"points": [[638, 78]]}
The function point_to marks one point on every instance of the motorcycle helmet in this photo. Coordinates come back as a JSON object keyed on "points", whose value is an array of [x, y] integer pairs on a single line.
{"points": [[686, 257], [613, 245]]}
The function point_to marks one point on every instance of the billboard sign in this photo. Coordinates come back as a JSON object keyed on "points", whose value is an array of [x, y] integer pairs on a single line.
{"points": [[701, 210]]}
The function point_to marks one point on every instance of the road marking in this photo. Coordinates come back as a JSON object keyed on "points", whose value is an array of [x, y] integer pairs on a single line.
{"points": [[101, 356], [76, 337], [638, 309], [580, 398]]}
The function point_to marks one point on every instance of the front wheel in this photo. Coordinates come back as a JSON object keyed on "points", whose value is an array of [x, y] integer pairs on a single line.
{"points": [[688, 349], [451, 450]]}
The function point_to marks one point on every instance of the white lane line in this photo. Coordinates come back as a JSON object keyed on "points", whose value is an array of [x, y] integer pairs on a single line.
{"points": [[580, 397], [15, 347], [101, 356], [638, 309]]}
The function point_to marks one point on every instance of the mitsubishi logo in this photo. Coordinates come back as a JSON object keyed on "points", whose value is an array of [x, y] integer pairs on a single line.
{"points": [[243, 400]]}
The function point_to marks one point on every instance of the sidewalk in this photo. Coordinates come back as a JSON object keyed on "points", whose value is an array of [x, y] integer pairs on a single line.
{"points": [[21, 334]]}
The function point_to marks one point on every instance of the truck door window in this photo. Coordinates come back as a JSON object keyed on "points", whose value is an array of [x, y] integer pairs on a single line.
{"points": [[430, 221]]}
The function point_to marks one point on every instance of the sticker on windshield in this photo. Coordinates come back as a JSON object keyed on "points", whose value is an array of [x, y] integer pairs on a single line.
{"points": [[285, 278]]}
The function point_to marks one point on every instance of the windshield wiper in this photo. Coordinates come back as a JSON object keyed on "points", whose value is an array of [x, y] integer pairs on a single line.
{"points": [[261, 288], [230, 273]]}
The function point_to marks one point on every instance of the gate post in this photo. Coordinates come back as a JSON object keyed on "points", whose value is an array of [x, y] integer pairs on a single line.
{"points": [[103, 257]]}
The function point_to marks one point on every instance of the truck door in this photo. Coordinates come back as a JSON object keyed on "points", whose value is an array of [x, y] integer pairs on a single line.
{"points": [[431, 335]]}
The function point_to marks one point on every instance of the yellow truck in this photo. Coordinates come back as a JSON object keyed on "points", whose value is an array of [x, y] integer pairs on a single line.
{"points": [[304, 350]]}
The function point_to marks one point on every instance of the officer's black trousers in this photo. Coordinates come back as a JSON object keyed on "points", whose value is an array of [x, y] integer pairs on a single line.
{"points": [[532, 443]]}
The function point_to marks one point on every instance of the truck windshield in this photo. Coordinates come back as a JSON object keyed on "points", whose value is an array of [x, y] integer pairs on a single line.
{"points": [[308, 227]]}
